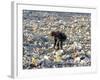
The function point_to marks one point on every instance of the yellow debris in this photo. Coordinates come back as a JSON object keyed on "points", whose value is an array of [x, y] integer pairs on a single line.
{"points": [[34, 61], [58, 58]]}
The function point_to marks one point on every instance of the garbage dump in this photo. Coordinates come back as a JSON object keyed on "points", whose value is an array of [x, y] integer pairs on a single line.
{"points": [[38, 44]]}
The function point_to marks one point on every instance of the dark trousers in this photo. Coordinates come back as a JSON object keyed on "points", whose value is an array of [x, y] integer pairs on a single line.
{"points": [[58, 43]]}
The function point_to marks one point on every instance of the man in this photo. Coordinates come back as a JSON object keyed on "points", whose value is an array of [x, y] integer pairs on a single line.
{"points": [[59, 38]]}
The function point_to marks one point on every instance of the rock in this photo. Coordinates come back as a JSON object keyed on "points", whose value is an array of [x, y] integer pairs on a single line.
{"points": [[82, 63], [46, 57], [77, 60], [88, 53], [59, 52]]}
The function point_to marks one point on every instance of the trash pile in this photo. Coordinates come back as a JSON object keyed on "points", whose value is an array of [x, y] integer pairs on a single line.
{"points": [[38, 51]]}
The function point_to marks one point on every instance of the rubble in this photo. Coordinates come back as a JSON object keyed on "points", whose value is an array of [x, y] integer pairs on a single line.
{"points": [[38, 51]]}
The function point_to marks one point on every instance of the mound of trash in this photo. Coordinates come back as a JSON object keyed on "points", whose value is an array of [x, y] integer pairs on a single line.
{"points": [[38, 51], [51, 58]]}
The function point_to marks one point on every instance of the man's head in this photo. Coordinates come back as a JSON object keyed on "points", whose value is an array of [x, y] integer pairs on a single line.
{"points": [[53, 33]]}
